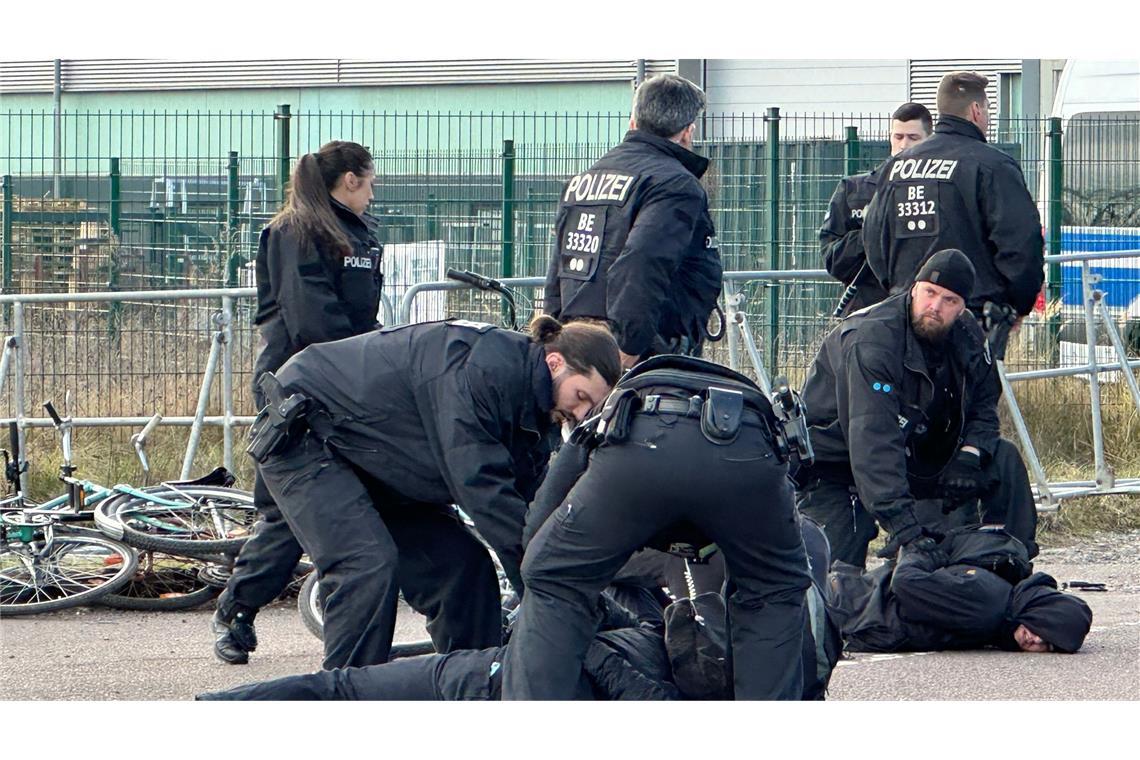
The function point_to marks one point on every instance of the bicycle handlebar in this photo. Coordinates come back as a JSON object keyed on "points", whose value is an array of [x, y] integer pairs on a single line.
{"points": [[50, 409], [140, 438], [476, 280]]}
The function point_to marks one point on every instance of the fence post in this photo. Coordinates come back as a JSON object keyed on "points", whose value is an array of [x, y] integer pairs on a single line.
{"points": [[508, 222], [432, 220], [227, 381], [233, 258], [115, 220], [1053, 235], [21, 364], [282, 118], [851, 152], [773, 187], [7, 250]]}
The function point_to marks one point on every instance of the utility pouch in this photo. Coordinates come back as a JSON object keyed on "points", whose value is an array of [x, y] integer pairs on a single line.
{"points": [[721, 415], [616, 413]]}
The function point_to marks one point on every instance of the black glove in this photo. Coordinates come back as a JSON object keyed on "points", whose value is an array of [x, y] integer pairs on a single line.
{"points": [[963, 478], [915, 537]]}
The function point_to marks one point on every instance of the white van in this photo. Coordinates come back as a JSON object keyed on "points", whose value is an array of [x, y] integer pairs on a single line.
{"points": [[1098, 103]]}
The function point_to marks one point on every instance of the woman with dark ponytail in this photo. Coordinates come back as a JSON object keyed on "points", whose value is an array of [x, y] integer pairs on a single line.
{"points": [[318, 279]]}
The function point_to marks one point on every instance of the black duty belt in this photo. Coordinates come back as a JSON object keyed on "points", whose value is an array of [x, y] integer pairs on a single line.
{"points": [[691, 407]]}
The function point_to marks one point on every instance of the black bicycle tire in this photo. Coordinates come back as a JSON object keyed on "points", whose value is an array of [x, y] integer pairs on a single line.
{"points": [[110, 520], [309, 608], [93, 594], [137, 593]]}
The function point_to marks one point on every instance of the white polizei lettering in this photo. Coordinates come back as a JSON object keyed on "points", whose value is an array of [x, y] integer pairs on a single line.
{"points": [[571, 187], [357, 262], [582, 193], [604, 185], [929, 168], [621, 187]]}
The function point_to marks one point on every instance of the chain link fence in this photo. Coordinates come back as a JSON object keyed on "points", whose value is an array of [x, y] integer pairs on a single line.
{"points": [[162, 200]]}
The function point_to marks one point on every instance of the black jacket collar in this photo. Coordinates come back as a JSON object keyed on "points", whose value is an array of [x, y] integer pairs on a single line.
{"points": [[697, 165], [955, 125], [362, 225]]}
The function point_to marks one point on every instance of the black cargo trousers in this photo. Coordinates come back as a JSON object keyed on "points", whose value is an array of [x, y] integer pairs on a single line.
{"points": [[265, 564], [367, 543], [666, 472], [850, 527]]}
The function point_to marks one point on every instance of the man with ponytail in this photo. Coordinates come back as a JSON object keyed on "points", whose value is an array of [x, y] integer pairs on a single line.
{"points": [[318, 279], [377, 435]]}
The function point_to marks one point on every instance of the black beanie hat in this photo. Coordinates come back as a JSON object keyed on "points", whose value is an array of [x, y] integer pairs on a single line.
{"points": [[949, 269], [1061, 619]]}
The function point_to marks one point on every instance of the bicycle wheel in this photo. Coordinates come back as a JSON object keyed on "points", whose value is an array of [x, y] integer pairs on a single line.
{"points": [[309, 605], [208, 520], [63, 571], [164, 582]]}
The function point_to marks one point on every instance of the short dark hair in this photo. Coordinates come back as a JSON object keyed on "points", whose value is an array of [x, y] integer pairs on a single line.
{"points": [[585, 345], [912, 111], [958, 90], [665, 104]]}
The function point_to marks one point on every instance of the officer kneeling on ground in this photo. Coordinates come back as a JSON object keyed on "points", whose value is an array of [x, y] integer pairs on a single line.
{"points": [[680, 443], [366, 442], [901, 400]]}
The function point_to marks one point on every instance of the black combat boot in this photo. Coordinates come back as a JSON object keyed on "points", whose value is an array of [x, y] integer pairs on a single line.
{"points": [[235, 637]]}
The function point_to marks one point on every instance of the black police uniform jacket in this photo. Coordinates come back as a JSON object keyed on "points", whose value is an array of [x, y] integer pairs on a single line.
{"points": [[306, 296], [869, 395], [955, 191], [841, 239], [440, 412], [636, 245]]}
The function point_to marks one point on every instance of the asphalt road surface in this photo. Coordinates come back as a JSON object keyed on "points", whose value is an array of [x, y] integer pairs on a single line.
{"points": [[103, 654]]}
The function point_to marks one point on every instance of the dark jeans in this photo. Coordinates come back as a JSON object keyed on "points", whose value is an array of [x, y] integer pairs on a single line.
{"points": [[850, 527], [664, 474], [367, 543]]}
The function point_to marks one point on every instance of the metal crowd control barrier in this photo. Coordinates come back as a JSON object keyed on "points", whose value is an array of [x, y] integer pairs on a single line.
{"points": [[221, 351]]}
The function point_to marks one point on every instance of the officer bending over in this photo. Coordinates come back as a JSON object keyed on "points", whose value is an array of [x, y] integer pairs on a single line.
{"points": [[635, 242], [841, 237], [384, 431], [683, 447], [901, 400], [975, 591], [955, 191]]}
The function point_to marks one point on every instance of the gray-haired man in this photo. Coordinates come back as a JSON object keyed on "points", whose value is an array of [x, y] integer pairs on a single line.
{"points": [[635, 244]]}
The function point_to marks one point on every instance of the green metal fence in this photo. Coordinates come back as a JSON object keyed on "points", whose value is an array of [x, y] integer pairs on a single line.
{"points": [[165, 200]]}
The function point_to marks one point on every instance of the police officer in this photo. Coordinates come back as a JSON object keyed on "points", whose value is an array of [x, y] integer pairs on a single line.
{"points": [[901, 400], [318, 279], [365, 442], [635, 243], [841, 237], [684, 449], [955, 191]]}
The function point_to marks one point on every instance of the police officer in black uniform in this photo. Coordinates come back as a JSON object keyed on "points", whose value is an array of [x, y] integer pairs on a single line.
{"points": [[366, 442], [955, 191], [841, 237], [635, 243], [685, 451], [901, 400], [318, 279]]}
